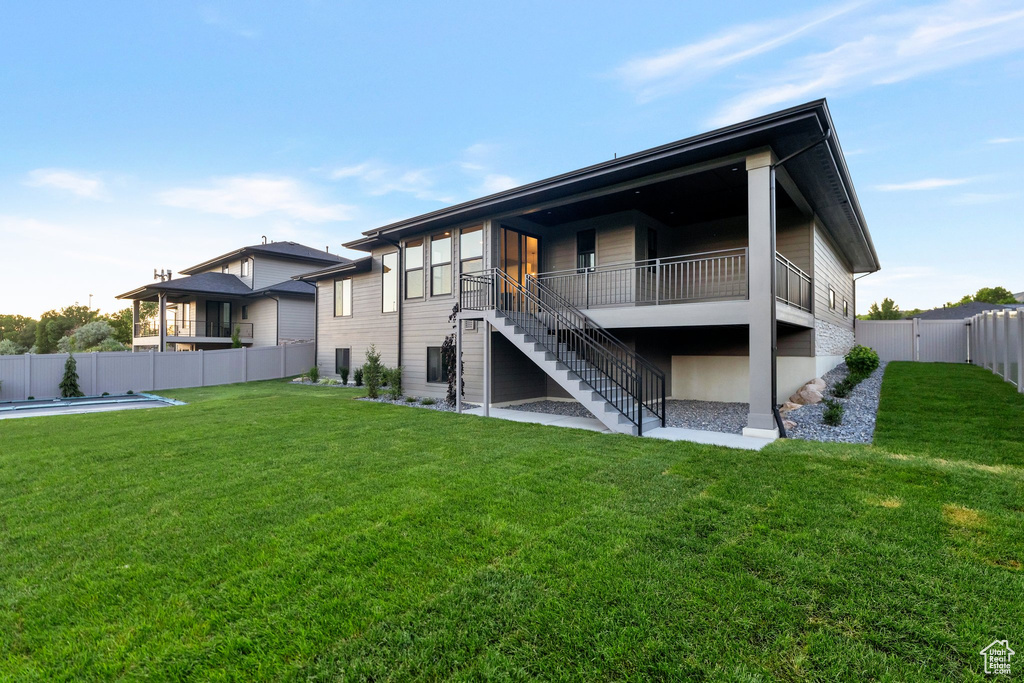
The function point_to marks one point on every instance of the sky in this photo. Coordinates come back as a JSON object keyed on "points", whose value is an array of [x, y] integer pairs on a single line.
{"points": [[137, 135]]}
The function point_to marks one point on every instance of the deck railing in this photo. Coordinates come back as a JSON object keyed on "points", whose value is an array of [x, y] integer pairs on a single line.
{"points": [[706, 276], [629, 382], [193, 328], [792, 285]]}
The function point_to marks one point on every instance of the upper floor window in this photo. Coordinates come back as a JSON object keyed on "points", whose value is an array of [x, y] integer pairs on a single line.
{"points": [[846, 308], [586, 249], [245, 312], [832, 298], [389, 282], [342, 298], [224, 268], [471, 250], [414, 269], [441, 263], [245, 267]]}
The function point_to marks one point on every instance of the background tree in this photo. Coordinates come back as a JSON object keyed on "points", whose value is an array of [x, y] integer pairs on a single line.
{"points": [[53, 325], [121, 322], [887, 311], [995, 295], [18, 328]]}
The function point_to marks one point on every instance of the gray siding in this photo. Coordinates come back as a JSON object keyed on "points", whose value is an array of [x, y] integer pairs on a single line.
{"points": [[367, 325], [794, 237], [295, 320], [268, 270], [263, 316], [234, 268], [616, 240], [831, 270]]}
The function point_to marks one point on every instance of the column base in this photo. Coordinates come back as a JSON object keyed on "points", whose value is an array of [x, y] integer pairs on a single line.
{"points": [[761, 433]]}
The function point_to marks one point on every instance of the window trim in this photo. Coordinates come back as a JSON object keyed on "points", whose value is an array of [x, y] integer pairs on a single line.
{"points": [[407, 270], [337, 368], [441, 264], [246, 268], [343, 314], [846, 308], [588, 268], [831, 298], [444, 379], [480, 258], [398, 281], [245, 311]]}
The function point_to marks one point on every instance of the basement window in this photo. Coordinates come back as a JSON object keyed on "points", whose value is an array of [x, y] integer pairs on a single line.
{"points": [[436, 370], [832, 298]]}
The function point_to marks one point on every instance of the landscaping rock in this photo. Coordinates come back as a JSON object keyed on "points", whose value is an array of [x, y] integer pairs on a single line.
{"points": [[788, 424], [790, 406], [859, 411], [818, 383], [807, 395]]}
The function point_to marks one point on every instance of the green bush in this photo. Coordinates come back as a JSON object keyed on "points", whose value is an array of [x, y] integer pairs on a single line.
{"points": [[69, 383], [410, 399], [314, 374], [862, 360], [9, 347], [373, 372], [358, 377], [428, 402], [843, 389], [395, 383], [833, 413], [344, 375], [236, 338]]}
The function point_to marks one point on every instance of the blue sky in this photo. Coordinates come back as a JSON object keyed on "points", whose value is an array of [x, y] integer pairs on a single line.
{"points": [[141, 135]]}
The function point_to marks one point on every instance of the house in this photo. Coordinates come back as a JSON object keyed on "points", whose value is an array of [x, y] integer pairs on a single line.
{"points": [[718, 268], [968, 310], [250, 291]]}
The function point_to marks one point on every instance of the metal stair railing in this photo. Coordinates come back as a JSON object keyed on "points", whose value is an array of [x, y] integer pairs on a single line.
{"points": [[621, 377]]}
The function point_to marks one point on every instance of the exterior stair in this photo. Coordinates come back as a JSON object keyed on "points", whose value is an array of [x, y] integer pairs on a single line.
{"points": [[621, 389]]}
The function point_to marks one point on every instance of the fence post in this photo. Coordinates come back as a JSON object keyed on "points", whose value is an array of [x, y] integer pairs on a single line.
{"points": [[202, 368], [284, 365], [28, 375], [95, 375], [917, 339], [1006, 350], [152, 370], [1020, 349]]}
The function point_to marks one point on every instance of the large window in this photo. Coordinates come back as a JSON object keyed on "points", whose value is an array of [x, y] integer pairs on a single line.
{"points": [[471, 250], [389, 282], [586, 249], [436, 370], [441, 263], [414, 269], [342, 298], [342, 359]]}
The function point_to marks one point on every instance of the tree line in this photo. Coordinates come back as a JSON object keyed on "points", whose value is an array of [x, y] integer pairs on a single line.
{"points": [[74, 327], [888, 310]]}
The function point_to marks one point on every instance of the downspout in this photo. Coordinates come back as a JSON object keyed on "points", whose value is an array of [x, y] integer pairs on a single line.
{"points": [[775, 331], [400, 295]]}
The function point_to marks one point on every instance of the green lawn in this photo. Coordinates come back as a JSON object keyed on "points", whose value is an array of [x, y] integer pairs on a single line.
{"points": [[269, 531]]}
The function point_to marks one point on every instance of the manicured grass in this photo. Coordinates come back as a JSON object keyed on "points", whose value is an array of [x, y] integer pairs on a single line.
{"points": [[268, 531], [953, 411]]}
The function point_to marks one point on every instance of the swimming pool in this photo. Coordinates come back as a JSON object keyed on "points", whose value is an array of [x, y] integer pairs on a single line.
{"points": [[83, 404]]}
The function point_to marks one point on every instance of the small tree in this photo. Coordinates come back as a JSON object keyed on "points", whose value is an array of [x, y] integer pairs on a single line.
{"points": [[373, 372], [69, 384], [448, 353], [395, 383], [888, 311], [236, 337], [344, 375], [357, 376]]}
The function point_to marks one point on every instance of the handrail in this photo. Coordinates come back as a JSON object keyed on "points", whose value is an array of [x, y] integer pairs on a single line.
{"points": [[192, 328], [784, 285], [646, 263], [615, 372], [792, 266]]}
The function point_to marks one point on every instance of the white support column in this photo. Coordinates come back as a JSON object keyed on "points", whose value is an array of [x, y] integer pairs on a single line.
{"points": [[487, 368], [761, 286], [162, 322], [458, 365]]}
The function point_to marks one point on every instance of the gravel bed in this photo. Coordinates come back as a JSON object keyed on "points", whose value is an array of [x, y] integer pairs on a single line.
{"points": [[859, 411], [707, 415], [441, 405]]}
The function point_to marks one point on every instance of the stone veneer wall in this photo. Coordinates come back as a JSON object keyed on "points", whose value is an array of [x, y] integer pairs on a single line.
{"points": [[831, 340]]}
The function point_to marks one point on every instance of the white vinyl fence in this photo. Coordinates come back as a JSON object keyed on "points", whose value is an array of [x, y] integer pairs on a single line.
{"points": [[997, 338], [119, 372], [929, 341]]}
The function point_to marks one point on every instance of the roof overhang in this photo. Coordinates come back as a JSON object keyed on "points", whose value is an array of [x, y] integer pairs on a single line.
{"points": [[249, 251], [362, 265], [820, 173]]}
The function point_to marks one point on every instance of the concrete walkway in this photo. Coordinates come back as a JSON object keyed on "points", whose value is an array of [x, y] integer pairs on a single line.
{"points": [[594, 425]]}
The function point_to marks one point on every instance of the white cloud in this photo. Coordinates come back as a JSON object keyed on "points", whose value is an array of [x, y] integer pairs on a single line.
{"points": [[976, 198], [80, 184], [250, 196], [1004, 141], [377, 179], [869, 50], [925, 184], [497, 182]]}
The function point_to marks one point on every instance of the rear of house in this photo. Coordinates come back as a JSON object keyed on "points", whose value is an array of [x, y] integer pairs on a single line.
{"points": [[715, 268]]}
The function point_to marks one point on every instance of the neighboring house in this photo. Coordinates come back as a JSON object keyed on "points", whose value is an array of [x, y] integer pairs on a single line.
{"points": [[250, 290], [967, 310], [670, 272], [1019, 296]]}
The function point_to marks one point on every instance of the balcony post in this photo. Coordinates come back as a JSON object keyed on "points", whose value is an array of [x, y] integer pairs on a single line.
{"points": [[458, 365], [136, 332], [162, 321], [762, 294]]}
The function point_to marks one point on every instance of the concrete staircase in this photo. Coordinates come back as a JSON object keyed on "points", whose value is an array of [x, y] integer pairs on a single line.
{"points": [[595, 390]]}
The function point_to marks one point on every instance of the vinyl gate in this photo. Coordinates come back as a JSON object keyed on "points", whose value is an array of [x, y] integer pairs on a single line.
{"points": [[998, 340], [928, 341], [119, 372]]}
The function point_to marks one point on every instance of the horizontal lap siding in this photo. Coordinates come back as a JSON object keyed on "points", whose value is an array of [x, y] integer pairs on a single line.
{"points": [[616, 241], [367, 325], [263, 316], [295, 316], [831, 270], [268, 270], [794, 238]]}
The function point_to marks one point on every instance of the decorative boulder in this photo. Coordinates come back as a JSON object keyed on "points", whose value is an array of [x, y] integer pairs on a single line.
{"points": [[818, 383], [806, 396], [788, 424], [789, 406]]}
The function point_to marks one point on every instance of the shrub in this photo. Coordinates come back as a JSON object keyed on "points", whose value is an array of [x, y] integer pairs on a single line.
{"points": [[69, 383], [833, 413], [9, 347], [129, 392], [862, 360], [327, 381], [843, 389], [373, 372], [31, 398], [358, 377], [344, 375], [428, 401], [236, 337], [410, 399], [314, 374], [395, 383], [106, 393], [108, 344]]}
